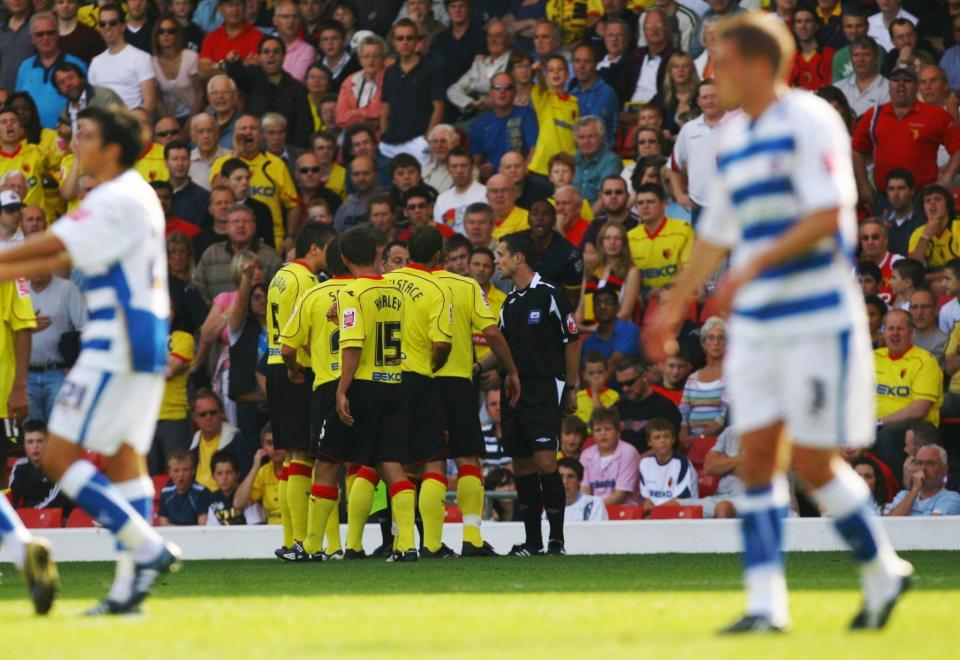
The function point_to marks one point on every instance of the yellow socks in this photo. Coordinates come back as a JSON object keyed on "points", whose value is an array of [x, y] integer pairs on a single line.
{"points": [[284, 509], [320, 512], [470, 499], [433, 493], [359, 502], [332, 530], [299, 479], [401, 500]]}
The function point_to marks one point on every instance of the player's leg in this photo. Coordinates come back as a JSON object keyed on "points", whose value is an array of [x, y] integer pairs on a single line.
{"points": [[299, 480], [432, 505], [470, 496], [401, 492], [31, 555], [424, 411], [324, 508], [553, 496], [359, 503], [529, 504], [284, 511]]}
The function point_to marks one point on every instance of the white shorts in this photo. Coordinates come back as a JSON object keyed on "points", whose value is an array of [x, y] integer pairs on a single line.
{"points": [[100, 410], [822, 387]]}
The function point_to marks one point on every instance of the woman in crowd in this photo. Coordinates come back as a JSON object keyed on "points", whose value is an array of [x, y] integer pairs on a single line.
{"points": [[838, 100], [871, 474], [176, 69], [708, 37], [679, 93], [317, 80], [876, 310], [520, 66], [359, 99], [49, 143], [703, 406], [615, 271]]}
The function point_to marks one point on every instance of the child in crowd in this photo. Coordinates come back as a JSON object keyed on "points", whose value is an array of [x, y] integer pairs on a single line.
{"points": [[610, 467], [580, 506], [29, 486], [869, 277], [908, 276], [596, 394], [222, 510], [183, 501], [666, 477], [573, 434], [262, 484]]}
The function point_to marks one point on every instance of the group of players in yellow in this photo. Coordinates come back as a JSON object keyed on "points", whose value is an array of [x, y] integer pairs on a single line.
{"points": [[374, 373]]}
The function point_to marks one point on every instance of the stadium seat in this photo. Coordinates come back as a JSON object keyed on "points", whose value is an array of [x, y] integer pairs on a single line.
{"points": [[624, 512], [79, 518], [671, 512], [710, 308], [159, 482], [452, 514], [707, 485], [41, 518], [698, 451]]}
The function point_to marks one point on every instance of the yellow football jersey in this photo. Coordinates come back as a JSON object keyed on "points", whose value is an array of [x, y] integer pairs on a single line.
{"points": [[953, 343], [556, 114], [660, 255], [472, 314], [28, 160], [571, 16], [496, 298], [517, 220], [151, 165], [371, 319], [309, 327], [913, 376], [175, 404], [16, 313], [286, 291], [943, 249], [337, 182], [427, 316], [266, 491], [608, 397], [270, 183]]}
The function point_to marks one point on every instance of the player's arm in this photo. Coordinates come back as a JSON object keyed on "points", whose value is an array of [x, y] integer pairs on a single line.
{"points": [[905, 506], [571, 359], [616, 497], [500, 351], [385, 118], [18, 403], [439, 352], [40, 254], [349, 361], [916, 410]]}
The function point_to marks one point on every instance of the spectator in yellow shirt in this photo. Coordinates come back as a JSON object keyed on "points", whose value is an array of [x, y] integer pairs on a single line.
{"points": [[596, 394], [213, 434], [556, 110], [507, 216], [262, 483], [660, 246], [909, 387]]}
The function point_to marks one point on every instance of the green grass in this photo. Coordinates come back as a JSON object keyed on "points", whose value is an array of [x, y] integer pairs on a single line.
{"points": [[535, 608]]}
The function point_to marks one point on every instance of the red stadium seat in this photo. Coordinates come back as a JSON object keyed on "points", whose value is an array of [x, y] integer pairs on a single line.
{"points": [[698, 451], [671, 512], [624, 512], [41, 518], [710, 308], [452, 514], [707, 485], [79, 518], [159, 481]]}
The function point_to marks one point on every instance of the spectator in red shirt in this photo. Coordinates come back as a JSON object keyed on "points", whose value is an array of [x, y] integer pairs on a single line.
{"points": [[174, 224], [813, 63], [571, 224], [904, 133], [236, 35]]}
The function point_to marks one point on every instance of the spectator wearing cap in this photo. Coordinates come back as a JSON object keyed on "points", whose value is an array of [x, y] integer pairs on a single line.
{"points": [[235, 36], [881, 22], [503, 128], [471, 91], [299, 54], [10, 208], [268, 88], [125, 69], [926, 494], [904, 133], [35, 75], [413, 97], [457, 48], [865, 88], [594, 160]]}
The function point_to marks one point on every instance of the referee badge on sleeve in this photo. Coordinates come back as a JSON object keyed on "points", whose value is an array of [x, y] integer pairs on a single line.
{"points": [[533, 318], [572, 324]]}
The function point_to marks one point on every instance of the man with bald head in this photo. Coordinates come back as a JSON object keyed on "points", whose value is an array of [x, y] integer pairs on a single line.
{"points": [[504, 127], [925, 494], [310, 182], [205, 134], [224, 106], [909, 386], [530, 189], [354, 210], [471, 91], [33, 220], [166, 131], [570, 223], [507, 216]]}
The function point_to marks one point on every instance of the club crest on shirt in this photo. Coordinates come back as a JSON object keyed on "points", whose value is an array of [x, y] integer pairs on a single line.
{"points": [[349, 317], [22, 289], [533, 318], [666, 253], [669, 482]]}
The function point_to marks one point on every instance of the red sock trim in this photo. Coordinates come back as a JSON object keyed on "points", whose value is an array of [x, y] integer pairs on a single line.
{"points": [[368, 474], [353, 469], [324, 492], [401, 486], [284, 473], [470, 471], [436, 476], [299, 470]]}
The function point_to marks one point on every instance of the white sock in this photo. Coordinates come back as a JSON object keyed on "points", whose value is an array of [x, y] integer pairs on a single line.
{"points": [[15, 535], [122, 586], [766, 588]]}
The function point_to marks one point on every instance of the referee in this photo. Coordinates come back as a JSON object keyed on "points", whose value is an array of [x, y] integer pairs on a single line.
{"points": [[538, 322]]}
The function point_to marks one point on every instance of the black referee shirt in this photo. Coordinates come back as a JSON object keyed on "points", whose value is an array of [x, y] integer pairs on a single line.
{"points": [[411, 95], [538, 322]]}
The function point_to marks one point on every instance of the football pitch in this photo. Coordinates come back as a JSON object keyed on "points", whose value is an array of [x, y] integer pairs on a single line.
{"points": [[549, 607]]}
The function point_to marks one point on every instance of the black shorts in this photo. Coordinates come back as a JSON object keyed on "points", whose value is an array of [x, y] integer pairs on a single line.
{"points": [[424, 420], [534, 425], [376, 435], [11, 437], [461, 410], [324, 422], [289, 407]]}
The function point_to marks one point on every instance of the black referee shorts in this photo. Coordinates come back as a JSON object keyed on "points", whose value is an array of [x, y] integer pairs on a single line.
{"points": [[534, 425], [289, 407], [11, 437], [324, 422], [377, 432], [461, 410], [424, 419]]}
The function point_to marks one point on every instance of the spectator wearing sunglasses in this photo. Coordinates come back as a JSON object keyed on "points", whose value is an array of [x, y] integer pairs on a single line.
{"points": [[213, 434], [126, 70]]}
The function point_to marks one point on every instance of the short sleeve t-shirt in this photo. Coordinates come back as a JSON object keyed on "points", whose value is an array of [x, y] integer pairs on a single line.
{"points": [[913, 376], [123, 72], [618, 471]]}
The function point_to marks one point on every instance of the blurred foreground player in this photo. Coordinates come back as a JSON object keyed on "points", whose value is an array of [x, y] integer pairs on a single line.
{"points": [[30, 554], [799, 362], [110, 400]]}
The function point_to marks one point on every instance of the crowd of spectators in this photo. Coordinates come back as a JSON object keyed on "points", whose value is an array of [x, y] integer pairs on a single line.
{"points": [[591, 125]]}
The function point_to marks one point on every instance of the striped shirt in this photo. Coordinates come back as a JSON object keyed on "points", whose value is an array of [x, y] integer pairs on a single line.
{"points": [[703, 403], [790, 162]]}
